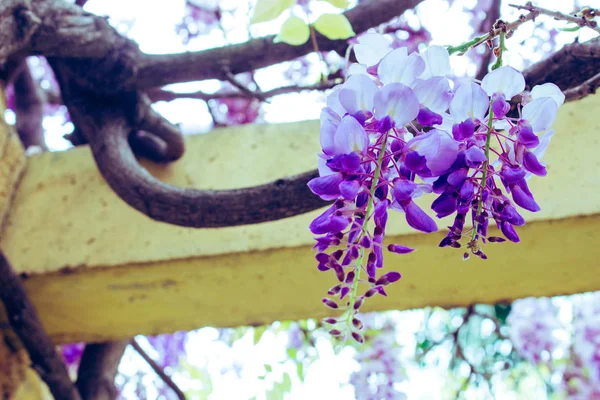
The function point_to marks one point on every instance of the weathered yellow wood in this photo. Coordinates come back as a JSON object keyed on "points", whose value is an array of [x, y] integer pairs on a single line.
{"points": [[17, 380], [99, 270], [12, 163]]}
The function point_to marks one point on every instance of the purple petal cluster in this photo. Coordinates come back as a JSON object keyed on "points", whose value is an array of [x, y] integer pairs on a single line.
{"points": [[396, 130], [535, 329], [380, 364]]}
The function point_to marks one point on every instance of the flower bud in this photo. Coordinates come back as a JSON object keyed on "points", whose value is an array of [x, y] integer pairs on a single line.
{"points": [[330, 303], [334, 290], [388, 278], [358, 303], [350, 277], [358, 337]]}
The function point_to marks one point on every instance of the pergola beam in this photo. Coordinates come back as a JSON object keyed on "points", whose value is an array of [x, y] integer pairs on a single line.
{"points": [[98, 270]]}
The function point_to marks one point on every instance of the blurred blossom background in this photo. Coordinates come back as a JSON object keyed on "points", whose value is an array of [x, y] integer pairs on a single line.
{"points": [[546, 348]]}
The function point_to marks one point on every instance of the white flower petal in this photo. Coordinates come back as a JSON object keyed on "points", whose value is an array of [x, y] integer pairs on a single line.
{"points": [[548, 90], [505, 80], [371, 48], [324, 170], [358, 93], [333, 101], [329, 123], [434, 93], [398, 102], [357, 69], [540, 113], [350, 136], [470, 101], [437, 62], [399, 67]]}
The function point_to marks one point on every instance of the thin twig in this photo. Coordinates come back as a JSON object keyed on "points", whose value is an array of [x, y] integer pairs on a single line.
{"points": [[24, 320], [166, 95], [508, 28], [158, 370], [216, 123], [578, 20], [586, 88], [243, 88]]}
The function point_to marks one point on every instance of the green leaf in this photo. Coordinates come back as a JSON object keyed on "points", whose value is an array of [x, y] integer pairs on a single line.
{"points": [[502, 311], [338, 3], [570, 28], [286, 385], [292, 353], [424, 344], [294, 31], [258, 332], [268, 10], [300, 371], [268, 368], [334, 26]]}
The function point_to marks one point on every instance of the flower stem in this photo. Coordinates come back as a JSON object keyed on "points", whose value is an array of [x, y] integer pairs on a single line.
{"points": [[359, 261], [486, 164], [501, 48], [465, 46]]}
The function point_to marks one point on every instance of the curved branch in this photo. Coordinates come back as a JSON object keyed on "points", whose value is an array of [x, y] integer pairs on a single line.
{"points": [[159, 140], [107, 129]]}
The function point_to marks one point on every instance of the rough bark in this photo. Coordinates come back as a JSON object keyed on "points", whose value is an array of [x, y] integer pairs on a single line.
{"points": [[98, 369], [29, 108], [24, 320]]}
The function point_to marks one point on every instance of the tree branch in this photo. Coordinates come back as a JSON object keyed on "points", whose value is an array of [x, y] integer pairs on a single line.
{"points": [[29, 108], [98, 368], [582, 21], [158, 370], [107, 121], [183, 206], [156, 94], [57, 28], [586, 88], [159, 70], [24, 320], [559, 68], [106, 114]]}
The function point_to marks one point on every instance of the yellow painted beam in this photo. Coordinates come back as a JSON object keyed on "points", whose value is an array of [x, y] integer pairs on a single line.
{"points": [[97, 270], [18, 381]]}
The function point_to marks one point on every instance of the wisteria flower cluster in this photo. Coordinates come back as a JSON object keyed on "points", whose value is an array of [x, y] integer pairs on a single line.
{"points": [[397, 130], [569, 349]]}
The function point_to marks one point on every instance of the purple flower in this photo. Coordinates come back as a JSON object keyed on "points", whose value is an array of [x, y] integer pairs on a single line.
{"points": [[506, 81], [400, 67], [535, 329], [438, 150], [398, 102], [374, 159]]}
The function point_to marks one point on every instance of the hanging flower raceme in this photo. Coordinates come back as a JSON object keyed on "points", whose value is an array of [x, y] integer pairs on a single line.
{"points": [[395, 131]]}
